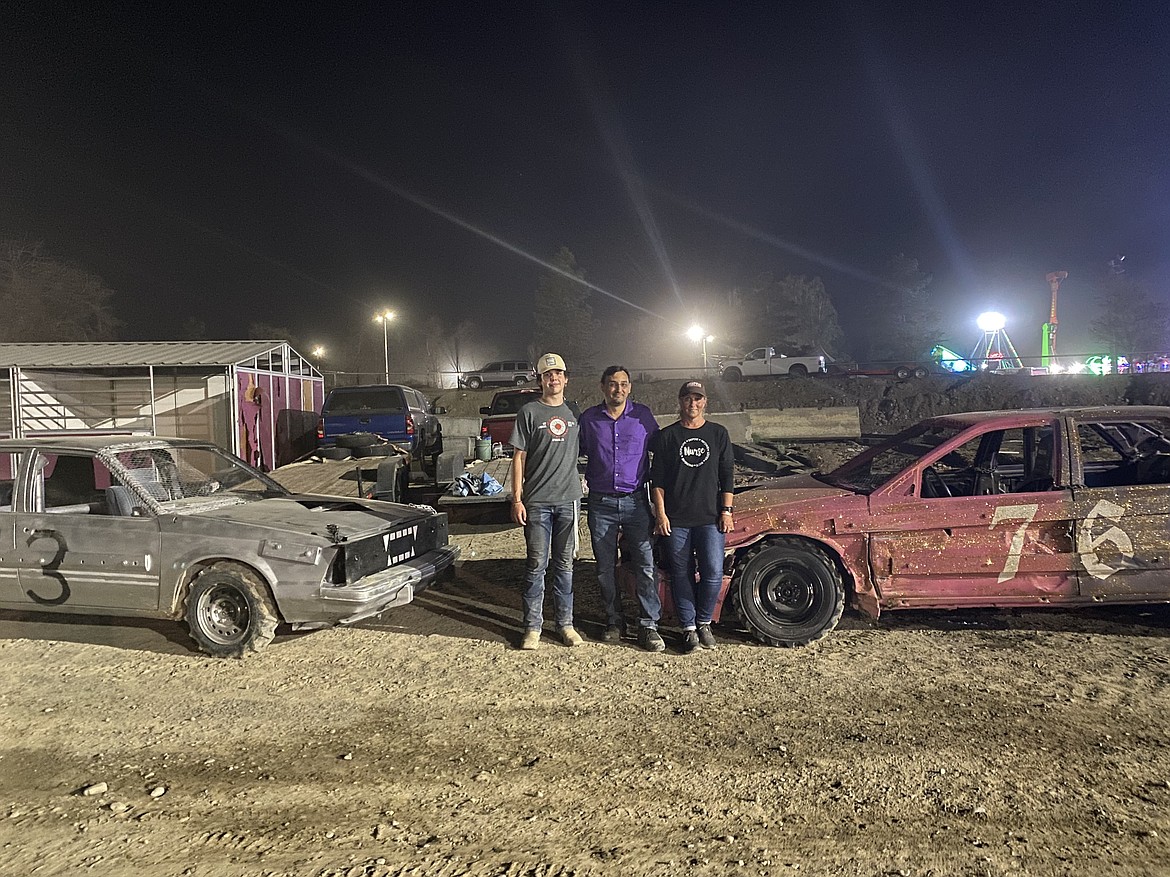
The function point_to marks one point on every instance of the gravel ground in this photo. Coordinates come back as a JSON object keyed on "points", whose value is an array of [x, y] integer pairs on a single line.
{"points": [[423, 743]]}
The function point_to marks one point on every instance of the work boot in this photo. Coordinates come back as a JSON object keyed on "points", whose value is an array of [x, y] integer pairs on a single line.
{"points": [[531, 640], [690, 642], [570, 637], [613, 634], [649, 639], [706, 638]]}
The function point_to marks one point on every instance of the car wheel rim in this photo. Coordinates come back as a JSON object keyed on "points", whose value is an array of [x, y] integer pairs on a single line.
{"points": [[787, 593], [224, 615]]}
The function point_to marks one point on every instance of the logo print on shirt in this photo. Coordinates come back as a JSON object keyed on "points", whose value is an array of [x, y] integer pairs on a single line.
{"points": [[694, 452], [557, 427]]}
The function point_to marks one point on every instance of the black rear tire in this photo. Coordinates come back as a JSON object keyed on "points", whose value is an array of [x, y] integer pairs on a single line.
{"points": [[920, 372], [789, 591], [474, 383], [334, 453], [798, 370], [732, 375], [520, 380], [230, 612], [901, 372]]}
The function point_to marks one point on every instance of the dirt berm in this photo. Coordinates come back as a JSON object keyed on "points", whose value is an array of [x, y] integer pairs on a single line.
{"points": [[885, 405]]}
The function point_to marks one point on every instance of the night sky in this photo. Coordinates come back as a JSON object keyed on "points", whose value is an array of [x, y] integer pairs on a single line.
{"points": [[303, 169]]}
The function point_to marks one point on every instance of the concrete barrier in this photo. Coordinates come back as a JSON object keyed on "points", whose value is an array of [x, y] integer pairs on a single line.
{"points": [[738, 423], [784, 423], [793, 423], [460, 426]]}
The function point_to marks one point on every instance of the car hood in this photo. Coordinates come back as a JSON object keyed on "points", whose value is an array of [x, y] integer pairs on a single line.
{"points": [[316, 515]]}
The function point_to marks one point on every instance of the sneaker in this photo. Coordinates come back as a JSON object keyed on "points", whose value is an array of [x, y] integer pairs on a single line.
{"points": [[530, 641], [649, 639], [706, 638], [612, 634], [690, 642], [570, 637]]}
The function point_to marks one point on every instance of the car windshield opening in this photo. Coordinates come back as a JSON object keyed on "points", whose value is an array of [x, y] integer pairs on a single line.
{"points": [[171, 474], [874, 467]]}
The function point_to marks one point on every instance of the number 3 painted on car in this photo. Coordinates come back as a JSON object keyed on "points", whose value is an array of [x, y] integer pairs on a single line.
{"points": [[1087, 543]]}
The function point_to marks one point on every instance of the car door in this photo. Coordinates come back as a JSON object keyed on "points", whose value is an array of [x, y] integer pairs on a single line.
{"points": [[946, 534], [9, 477], [73, 551], [1121, 484]]}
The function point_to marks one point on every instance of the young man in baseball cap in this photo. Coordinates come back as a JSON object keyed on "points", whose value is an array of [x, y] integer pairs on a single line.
{"points": [[546, 496]]}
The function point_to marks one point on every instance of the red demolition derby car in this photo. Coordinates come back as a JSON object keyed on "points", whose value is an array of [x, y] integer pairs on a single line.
{"points": [[1036, 507]]}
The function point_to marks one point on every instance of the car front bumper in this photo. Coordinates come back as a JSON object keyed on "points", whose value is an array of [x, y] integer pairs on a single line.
{"points": [[394, 586]]}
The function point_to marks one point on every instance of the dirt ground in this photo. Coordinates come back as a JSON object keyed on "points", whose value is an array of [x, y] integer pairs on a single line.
{"points": [[423, 743]]}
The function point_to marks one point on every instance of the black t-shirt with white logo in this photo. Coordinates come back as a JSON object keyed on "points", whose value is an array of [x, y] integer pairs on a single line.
{"points": [[693, 467]]}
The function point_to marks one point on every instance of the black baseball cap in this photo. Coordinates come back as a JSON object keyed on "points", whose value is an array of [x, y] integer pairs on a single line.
{"points": [[692, 388]]}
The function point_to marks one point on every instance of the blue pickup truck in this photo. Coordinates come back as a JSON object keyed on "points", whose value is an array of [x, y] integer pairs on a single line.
{"points": [[398, 414]]}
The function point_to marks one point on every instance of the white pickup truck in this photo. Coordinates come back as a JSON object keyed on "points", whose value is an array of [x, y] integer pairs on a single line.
{"points": [[765, 362]]}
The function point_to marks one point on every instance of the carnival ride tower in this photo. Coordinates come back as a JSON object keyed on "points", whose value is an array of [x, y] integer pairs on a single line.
{"points": [[995, 348], [1048, 335]]}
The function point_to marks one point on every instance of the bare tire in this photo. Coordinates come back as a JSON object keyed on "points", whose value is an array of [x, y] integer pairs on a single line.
{"points": [[798, 370], [474, 383], [334, 453], [732, 375], [790, 592], [230, 612], [357, 440], [901, 372], [920, 372], [384, 450]]}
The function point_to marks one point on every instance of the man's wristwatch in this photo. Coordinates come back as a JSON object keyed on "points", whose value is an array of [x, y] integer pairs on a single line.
{"points": [[727, 510]]}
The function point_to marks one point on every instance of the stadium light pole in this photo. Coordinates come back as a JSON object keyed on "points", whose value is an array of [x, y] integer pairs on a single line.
{"points": [[384, 318], [698, 333]]}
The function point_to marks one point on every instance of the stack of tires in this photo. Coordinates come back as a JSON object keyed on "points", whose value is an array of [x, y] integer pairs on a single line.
{"points": [[359, 444]]}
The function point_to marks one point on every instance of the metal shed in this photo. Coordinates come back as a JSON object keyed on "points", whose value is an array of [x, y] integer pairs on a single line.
{"points": [[257, 398]]}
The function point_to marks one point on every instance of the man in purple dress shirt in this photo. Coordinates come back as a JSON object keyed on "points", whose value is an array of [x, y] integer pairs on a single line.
{"points": [[615, 435]]}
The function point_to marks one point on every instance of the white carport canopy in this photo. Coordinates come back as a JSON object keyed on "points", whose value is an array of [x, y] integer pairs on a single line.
{"points": [[185, 388]]}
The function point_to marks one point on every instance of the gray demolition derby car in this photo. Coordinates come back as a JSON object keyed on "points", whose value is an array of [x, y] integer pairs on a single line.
{"points": [[181, 529]]}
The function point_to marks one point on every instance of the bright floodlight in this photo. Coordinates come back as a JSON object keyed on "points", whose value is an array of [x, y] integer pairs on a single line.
{"points": [[696, 333], [990, 322]]}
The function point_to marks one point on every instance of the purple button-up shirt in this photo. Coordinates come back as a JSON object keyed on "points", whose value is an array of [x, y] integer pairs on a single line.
{"points": [[617, 449]]}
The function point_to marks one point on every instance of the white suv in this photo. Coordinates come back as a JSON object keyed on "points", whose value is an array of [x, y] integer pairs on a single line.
{"points": [[508, 371]]}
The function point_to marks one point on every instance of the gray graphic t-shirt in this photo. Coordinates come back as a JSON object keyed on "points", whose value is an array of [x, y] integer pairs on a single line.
{"points": [[550, 437]]}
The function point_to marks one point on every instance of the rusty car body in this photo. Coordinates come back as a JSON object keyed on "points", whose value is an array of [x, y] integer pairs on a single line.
{"points": [[1026, 508], [181, 529]]}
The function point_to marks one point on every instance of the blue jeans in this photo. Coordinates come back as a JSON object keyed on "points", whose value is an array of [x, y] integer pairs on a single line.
{"points": [[550, 526], [630, 515], [695, 604]]}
